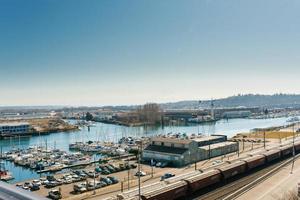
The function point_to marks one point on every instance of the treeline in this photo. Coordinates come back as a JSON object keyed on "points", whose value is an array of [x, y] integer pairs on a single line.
{"points": [[246, 100]]}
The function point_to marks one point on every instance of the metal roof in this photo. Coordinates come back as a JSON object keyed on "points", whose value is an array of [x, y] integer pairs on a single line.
{"points": [[217, 145], [165, 149], [172, 140], [14, 124]]}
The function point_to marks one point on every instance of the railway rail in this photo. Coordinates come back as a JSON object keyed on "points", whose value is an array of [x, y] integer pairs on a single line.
{"points": [[236, 188]]}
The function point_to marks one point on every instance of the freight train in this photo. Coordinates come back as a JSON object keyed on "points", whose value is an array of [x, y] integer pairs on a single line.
{"points": [[183, 187]]}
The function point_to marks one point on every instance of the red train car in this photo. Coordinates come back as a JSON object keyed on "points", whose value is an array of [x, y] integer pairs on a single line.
{"points": [[272, 155], [203, 180], [286, 150], [297, 146], [169, 192], [255, 161], [233, 169]]}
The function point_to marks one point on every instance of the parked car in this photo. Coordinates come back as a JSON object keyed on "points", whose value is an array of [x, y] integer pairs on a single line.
{"points": [[113, 179], [116, 168], [37, 182], [67, 180], [133, 166], [103, 184], [51, 178], [80, 187], [140, 173], [106, 180], [98, 169], [51, 184], [105, 172], [27, 184], [91, 174], [54, 194], [34, 187], [166, 176], [111, 168], [43, 179]]}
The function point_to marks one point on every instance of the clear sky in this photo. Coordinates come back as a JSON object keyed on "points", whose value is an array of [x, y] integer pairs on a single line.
{"points": [[108, 52]]}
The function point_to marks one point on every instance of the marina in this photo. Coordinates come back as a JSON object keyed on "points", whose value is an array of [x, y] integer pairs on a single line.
{"points": [[110, 133]]}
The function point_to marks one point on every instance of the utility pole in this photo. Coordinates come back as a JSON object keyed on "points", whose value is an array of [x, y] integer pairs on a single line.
{"points": [[139, 167], [238, 149], [243, 140], [264, 139], [94, 192], [293, 148], [128, 173]]}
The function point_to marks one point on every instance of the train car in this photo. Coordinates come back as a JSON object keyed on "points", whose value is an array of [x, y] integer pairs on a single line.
{"points": [[182, 177], [134, 192], [256, 152], [232, 169], [255, 161], [297, 146], [172, 191], [286, 150], [203, 180], [272, 155]]}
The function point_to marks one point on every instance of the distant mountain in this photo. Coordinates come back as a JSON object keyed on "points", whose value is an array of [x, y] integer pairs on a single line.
{"points": [[248, 100]]}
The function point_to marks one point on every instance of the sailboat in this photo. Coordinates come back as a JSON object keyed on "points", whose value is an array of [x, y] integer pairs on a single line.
{"points": [[4, 174]]}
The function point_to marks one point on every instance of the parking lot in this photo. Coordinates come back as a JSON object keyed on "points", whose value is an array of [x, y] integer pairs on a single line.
{"points": [[83, 179]]}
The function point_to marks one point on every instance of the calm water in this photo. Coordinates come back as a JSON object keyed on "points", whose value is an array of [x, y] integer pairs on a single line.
{"points": [[109, 132]]}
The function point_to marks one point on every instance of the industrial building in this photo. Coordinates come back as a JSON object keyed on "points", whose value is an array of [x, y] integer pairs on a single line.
{"points": [[14, 128], [183, 151]]}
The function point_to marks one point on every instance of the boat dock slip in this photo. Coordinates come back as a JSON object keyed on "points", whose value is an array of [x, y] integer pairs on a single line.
{"points": [[66, 167]]}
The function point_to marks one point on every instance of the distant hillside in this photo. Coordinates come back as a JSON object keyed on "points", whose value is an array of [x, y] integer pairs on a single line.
{"points": [[249, 100]]}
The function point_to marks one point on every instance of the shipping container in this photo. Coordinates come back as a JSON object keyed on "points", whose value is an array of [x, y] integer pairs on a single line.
{"points": [[169, 192], [255, 161], [203, 180], [272, 155], [233, 169]]}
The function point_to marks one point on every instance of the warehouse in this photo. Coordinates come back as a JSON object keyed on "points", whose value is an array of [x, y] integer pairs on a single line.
{"points": [[14, 128], [180, 152], [174, 151], [203, 141], [218, 149]]}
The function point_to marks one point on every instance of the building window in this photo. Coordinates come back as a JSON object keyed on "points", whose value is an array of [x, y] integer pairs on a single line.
{"points": [[172, 145], [153, 143], [162, 144]]}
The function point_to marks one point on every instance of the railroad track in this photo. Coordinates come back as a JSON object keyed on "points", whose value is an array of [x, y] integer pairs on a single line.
{"points": [[238, 187]]}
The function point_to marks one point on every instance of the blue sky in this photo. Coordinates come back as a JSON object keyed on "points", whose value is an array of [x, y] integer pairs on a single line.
{"points": [[98, 52]]}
